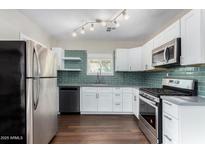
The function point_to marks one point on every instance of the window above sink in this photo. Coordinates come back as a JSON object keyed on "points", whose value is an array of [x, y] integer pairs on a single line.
{"points": [[100, 63]]}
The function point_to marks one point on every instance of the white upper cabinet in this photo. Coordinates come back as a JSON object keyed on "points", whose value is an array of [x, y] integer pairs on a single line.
{"points": [[193, 38], [147, 56], [134, 59], [159, 40], [171, 32], [128, 59], [121, 60], [59, 53]]}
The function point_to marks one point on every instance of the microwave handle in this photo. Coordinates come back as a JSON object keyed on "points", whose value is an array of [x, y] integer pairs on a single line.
{"points": [[165, 57]]}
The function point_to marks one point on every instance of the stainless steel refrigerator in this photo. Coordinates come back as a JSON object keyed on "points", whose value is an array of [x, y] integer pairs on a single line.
{"points": [[28, 93]]}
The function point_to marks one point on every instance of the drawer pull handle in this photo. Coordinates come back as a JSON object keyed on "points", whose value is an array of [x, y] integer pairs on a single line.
{"points": [[117, 104], [168, 103], [167, 137], [168, 117], [117, 94]]}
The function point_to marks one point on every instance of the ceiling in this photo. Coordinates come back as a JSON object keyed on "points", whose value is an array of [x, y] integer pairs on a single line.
{"points": [[141, 26]]}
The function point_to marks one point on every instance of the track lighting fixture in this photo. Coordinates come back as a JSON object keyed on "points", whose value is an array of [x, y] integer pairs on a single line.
{"points": [[111, 24]]}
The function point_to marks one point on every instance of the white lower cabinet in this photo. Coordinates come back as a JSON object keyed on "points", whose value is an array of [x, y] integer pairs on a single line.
{"points": [[105, 99], [127, 99], [170, 129], [108, 100], [117, 100], [89, 98], [183, 124], [136, 102]]}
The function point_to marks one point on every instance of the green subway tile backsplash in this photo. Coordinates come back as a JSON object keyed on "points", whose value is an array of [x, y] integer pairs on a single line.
{"points": [[118, 78], [154, 79], [150, 79], [81, 77]]}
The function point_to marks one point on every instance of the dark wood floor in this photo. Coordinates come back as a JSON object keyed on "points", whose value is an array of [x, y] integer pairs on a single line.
{"points": [[98, 129]]}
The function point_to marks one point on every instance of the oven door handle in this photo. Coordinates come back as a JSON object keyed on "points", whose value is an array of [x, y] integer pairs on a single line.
{"points": [[148, 102]]}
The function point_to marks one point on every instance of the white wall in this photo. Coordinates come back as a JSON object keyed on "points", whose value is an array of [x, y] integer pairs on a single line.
{"points": [[12, 22], [93, 46]]}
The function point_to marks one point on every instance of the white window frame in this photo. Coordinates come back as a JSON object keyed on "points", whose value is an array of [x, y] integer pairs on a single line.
{"points": [[100, 56]]}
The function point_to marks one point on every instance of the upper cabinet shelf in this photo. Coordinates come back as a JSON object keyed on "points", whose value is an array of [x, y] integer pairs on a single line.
{"points": [[72, 58]]}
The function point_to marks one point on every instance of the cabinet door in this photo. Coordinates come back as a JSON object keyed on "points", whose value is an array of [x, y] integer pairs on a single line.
{"points": [[121, 60], [127, 99], [170, 129], [135, 59], [147, 56], [172, 31], [159, 40], [105, 99], [136, 102], [89, 99], [144, 63], [117, 99], [59, 53], [190, 38]]}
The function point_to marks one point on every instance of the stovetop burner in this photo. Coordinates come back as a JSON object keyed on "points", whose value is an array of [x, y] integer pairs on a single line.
{"points": [[162, 91]]}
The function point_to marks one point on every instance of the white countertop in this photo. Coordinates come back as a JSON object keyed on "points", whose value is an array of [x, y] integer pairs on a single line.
{"points": [[185, 100], [100, 85]]}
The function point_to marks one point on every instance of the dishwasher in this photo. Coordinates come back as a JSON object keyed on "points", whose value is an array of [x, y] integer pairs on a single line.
{"points": [[69, 100]]}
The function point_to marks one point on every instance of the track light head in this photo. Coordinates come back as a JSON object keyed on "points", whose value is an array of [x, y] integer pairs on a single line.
{"points": [[82, 30], [125, 15], [104, 23], [92, 27], [116, 24], [74, 34]]}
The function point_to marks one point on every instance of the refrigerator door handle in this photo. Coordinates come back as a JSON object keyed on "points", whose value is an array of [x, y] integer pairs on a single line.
{"points": [[38, 63], [38, 79]]}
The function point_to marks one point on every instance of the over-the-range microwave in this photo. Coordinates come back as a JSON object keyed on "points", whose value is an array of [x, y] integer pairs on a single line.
{"points": [[167, 54]]}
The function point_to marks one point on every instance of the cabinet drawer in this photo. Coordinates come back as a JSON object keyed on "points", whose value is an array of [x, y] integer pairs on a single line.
{"points": [[127, 90], [89, 89], [117, 90], [170, 129], [117, 106], [117, 95], [105, 89], [170, 108]]}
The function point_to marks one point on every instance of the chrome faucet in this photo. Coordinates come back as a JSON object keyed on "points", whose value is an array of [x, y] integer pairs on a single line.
{"points": [[98, 81]]}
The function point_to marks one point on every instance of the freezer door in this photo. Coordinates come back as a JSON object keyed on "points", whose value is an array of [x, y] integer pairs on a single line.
{"points": [[45, 115], [12, 92]]}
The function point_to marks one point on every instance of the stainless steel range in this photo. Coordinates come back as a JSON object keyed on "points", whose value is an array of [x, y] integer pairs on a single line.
{"points": [[150, 110]]}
